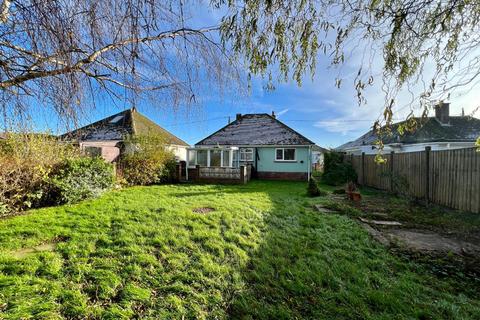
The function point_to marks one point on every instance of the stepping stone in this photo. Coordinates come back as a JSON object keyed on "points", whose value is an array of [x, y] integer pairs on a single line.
{"points": [[375, 234], [381, 222], [323, 209]]}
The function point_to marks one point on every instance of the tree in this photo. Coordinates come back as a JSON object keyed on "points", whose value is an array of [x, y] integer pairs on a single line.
{"points": [[59, 50], [66, 54], [409, 34]]}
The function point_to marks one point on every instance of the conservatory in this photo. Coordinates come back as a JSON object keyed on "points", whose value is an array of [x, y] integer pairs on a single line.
{"points": [[216, 164]]}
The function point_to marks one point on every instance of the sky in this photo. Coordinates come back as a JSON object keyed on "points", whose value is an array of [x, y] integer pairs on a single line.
{"points": [[320, 111]]}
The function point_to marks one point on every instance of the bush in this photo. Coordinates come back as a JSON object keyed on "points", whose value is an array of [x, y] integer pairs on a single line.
{"points": [[146, 161], [74, 180], [26, 160], [336, 171], [313, 190]]}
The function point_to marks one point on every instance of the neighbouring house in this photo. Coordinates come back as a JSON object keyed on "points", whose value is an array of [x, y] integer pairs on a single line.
{"points": [[105, 137], [258, 141], [441, 132], [317, 157]]}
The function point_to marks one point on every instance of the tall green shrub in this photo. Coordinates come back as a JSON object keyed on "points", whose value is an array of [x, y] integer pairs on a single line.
{"points": [[336, 171], [312, 188], [146, 161], [74, 180]]}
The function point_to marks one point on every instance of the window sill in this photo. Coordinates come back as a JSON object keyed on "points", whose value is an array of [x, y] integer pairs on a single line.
{"points": [[291, 161]]}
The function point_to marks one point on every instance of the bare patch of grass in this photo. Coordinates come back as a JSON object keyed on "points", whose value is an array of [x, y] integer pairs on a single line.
{"points": [[203, 210]]}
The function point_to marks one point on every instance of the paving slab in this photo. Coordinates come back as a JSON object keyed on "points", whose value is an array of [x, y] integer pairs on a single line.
{"points": [[323, 209], [377, 235], [381, 222], [432, 242]]}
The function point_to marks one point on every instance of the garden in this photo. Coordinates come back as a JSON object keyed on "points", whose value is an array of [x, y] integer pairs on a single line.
{"points": [[38, 170], [81, 241], [256, 251]]}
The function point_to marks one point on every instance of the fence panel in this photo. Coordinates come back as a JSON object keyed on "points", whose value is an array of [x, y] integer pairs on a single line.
{"points": [[453, 175]]}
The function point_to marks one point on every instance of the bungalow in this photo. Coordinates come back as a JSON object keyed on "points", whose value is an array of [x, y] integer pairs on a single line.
{"points": [[441, 132], [105, 137], [260, 141]]}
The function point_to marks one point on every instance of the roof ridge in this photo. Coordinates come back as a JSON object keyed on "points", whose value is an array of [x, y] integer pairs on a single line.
{"points": [[295, 136]]}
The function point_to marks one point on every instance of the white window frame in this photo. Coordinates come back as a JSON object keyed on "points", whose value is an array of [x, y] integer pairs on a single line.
{"points": [[243, 152], [283, 155]]}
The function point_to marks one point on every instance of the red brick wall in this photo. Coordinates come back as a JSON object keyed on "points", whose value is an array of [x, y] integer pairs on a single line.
{"points": [[299, 176]]}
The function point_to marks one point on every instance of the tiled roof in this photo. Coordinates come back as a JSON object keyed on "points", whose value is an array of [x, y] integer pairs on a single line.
{"points": [[120, 125], [256, 129], [459, 129]]}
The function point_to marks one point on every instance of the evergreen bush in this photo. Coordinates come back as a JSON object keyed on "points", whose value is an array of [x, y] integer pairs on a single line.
{"points": [[74, 180], [312, 189], [336, 171]]}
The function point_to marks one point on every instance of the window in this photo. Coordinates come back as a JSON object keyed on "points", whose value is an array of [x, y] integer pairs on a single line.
{"points": [[202, 157], [191, 157], [93, 151], [116, 119], [285, 154], [226, 158], [246, 154], [215, 158]]}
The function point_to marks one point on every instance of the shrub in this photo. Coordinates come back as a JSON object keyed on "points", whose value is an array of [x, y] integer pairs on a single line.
{"points": [[146, 161], [336, 171], [313, 190], [25, 162], [74, 180]]}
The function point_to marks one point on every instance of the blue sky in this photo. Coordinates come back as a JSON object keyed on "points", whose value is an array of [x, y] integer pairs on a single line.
{"points": [[320, 111], [327, 115]]}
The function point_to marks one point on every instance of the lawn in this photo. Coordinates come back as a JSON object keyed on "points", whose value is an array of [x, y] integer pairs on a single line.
{"points": [[263, 253]]}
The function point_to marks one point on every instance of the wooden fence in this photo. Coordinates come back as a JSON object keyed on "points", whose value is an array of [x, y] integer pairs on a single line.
{"points": [[449, 177]]}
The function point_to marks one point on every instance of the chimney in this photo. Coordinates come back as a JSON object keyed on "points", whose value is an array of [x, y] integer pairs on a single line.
{"points": [[273, 115], [239, 116], [442, 112], [463, 112]]}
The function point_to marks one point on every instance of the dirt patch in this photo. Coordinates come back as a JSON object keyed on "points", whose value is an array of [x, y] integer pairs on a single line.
{"points": [[377, 235], [421, 240], [431, 242], [22, 253], [49, 246], [203, 210]]}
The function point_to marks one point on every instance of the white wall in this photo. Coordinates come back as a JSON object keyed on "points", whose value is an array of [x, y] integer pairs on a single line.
{"points": [[399, 148], [180, 152]]}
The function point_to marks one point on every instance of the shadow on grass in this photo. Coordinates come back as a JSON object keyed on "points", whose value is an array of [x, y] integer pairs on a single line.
{"points": [[314, 266], [262, 254]]}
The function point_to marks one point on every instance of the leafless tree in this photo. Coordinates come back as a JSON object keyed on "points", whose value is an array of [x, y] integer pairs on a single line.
{"points": [[64, 53]]}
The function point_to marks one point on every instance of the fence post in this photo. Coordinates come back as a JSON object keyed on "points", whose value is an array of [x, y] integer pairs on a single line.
{"points": [[363, 168], [242, 174], [197, 178], [427, 173], [392, 154]]}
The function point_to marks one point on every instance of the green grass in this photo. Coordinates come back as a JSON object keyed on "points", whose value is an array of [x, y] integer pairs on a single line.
{"points": [[414, 214], [263, 254]]}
